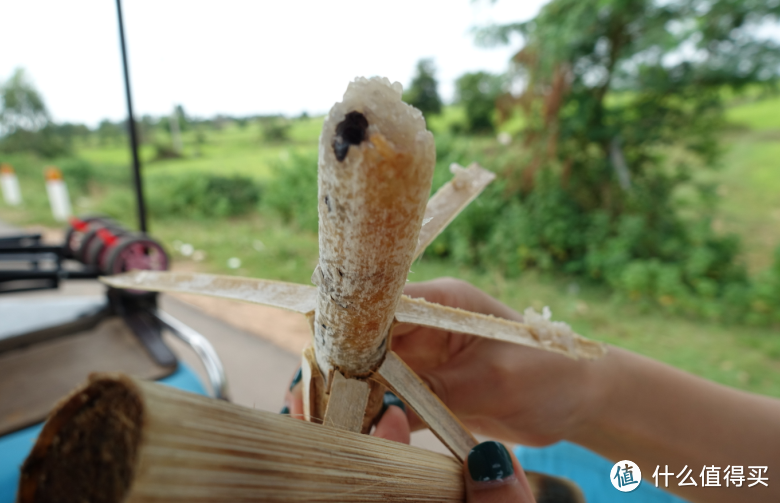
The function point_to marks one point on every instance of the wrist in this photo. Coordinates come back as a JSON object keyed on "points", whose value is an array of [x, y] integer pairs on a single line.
{"points": [[600, 393]]}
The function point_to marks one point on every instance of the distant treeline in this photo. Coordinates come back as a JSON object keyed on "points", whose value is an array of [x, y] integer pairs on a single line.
{"points": [[26, 125]]}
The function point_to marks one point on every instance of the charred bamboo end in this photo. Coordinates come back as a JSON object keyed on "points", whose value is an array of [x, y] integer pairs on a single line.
{"points": [[88, 447]]}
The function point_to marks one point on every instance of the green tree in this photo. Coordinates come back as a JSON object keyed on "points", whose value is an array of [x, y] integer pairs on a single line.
{"points": [[184, 119], [147, 130], [423, 92], [623, 102], [608, 82], [22, 105], [477, 93], [110, 132], [25, 123]]}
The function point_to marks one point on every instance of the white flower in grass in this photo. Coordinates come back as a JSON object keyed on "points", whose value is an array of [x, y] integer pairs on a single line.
{"points": [[234, 262]]}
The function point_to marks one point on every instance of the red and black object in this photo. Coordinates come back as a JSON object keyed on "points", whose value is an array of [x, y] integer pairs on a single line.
{"points": [[114, 251], [77, 228], [98, 245], [103, 239], [132, 252], [92, 235]]}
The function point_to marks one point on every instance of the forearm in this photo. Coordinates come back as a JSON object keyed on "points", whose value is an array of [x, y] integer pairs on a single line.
{"points": [[656, 415]]}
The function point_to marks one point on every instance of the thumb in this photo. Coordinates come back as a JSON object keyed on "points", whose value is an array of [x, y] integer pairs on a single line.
{"points": [[493, 475]]}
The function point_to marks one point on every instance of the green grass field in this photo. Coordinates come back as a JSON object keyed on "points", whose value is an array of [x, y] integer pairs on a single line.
{"points": [[231, 150], [749, 181], [748, 184]]}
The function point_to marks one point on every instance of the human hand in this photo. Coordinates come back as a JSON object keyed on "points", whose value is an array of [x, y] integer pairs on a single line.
{"points": [[496, 388]]}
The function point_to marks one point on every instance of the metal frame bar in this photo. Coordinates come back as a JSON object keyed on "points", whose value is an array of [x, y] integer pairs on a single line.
{"points": [[203, 348], [139, 190]]}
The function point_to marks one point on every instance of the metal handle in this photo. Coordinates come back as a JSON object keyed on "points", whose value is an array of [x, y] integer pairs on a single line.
{"points": [[203, 348]]}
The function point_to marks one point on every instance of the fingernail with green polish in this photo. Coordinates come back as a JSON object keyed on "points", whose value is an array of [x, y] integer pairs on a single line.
{"points": [[489, 461], [390, 399], [296, 379], [285, 410]]}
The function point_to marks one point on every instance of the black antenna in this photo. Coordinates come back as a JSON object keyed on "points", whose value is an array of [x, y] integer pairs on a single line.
{"points": [[139, 190]]}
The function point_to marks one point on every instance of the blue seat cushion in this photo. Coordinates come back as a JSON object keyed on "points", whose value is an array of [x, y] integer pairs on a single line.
{"points": [[589, 471]]}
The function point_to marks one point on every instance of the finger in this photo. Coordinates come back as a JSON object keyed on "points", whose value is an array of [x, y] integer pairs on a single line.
{"points": [[293, 398], [428, 290], [415, 423], [394, 426], [401, 329], [296, 402], [493, 475], [389, 402], [460, 294]]}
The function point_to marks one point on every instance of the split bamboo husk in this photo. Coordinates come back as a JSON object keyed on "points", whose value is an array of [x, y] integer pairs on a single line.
{"points": [[375, 169], [116, 439], [376, 161]]}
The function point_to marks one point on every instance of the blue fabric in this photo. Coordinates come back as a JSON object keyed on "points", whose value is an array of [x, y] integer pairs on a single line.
{"points": [[590, 471], [15, 446]]}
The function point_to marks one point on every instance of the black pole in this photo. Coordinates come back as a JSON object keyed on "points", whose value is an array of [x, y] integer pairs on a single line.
{"points": [[139, 190]]}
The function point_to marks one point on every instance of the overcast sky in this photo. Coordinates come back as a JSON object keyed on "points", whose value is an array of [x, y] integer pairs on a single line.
{"points": [[239, 57]]}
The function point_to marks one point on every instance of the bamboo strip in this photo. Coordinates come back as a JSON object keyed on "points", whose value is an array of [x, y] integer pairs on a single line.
{"points": [[547, 335], [116, 439], [313, 387], [290, 296], [346, 403], [402, 381], [536, 330], [450, 200]]}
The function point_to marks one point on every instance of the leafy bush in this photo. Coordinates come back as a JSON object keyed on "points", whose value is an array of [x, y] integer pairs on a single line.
{"points": [[477, 93], [78, 173], [164, 151], [275, 129], [679, 266], [45, 142], [292, 193], [200, 195]]}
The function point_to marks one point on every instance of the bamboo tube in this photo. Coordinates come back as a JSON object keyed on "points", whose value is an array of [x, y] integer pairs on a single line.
{"points": [[116, 439]]}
